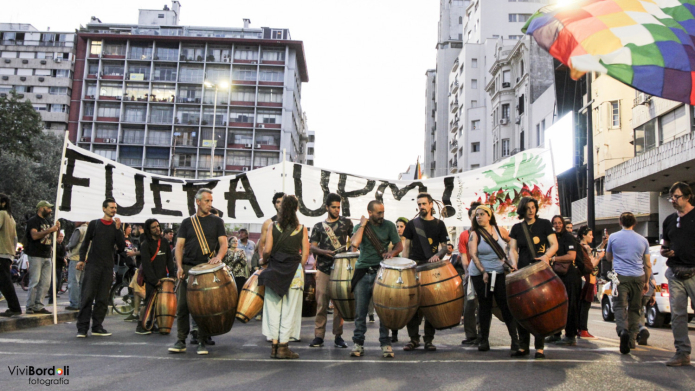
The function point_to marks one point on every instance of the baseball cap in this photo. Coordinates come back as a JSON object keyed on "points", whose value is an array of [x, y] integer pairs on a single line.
{"points": [[43, 203]]}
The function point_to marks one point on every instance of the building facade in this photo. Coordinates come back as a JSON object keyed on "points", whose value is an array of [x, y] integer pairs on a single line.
{"points": [[39, 66], [429, 161], [161, 97], [310, 147]]}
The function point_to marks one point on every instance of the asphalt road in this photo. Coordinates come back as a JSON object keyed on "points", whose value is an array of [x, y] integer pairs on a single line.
{"points": [[240, 360]]}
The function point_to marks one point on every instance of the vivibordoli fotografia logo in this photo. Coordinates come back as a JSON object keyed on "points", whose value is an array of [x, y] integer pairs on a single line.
{"points": [[50, 375]]}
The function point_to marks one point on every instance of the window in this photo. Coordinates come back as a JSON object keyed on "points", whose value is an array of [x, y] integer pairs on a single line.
{"points": [[244, 116], [645, 137], [109, 110], [615, 114], [246, 53], [61, 73], [160, 16], [161, 114], [269, 117], [239, 158], [538, 135], [244, 73], [106, 131], [474, 62], [26, 54], [166, 53], [521, 68], [474, 104], [114, 49], [506, 78], [244, 94], [112, 90], [273, 55], [516, 37], [42, 72], [140, 52], [520, 105], [192, 53], [505, 147], [6, 54], [262, 159], [272, 75], [89, 109], [475, 125], [505, 111], [474, 84], [113, 69], [109, 153], [475, 147], [59, 109], [460, 19], [138, 71], [58, 91], [519, 17], [95, 48], [474, 166], [135, 113], [270, 95], [217, 74], [25, 72], [168, 73], [276, 34], [673, 124], [542, 132]]}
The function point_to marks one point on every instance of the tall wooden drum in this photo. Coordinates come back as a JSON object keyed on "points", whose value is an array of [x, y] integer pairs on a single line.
{"points": [[340, 285], [537, 299], [250, 299], [212, 298], [441, 294], [396, 292], [165, 306]]}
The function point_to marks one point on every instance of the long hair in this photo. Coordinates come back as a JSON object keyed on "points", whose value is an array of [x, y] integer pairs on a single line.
{"points": [[287, 215], [474, 221], [564, 223], [523, 204], [8, 205], [148, 233]]}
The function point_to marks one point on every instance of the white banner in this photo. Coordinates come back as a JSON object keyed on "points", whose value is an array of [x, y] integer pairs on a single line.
{"points": [[247, 198]]}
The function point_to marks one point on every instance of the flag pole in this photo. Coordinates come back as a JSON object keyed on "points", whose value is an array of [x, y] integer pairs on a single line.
{"points": [[59, 196]]}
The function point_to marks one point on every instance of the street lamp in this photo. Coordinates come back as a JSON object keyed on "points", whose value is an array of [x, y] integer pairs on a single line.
{"points": [[223, 85]]}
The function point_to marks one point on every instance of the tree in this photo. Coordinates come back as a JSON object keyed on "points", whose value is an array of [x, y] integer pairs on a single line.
{"points": [[20, 126]]}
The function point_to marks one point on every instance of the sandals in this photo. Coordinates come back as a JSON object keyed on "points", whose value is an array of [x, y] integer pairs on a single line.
{"points": [[410, 346], [430, 347]]}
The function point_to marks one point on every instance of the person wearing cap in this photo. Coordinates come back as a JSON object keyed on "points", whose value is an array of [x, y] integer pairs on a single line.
{"points": [[38, 248]]}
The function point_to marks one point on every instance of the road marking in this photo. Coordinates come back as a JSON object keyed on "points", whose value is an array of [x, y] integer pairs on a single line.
{"points": [[47, 342]]}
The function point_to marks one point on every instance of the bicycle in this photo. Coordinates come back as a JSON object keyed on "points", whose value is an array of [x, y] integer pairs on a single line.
{"points": [[121, 296]]}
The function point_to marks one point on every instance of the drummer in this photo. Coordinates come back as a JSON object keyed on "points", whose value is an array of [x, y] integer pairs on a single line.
{"points": [[157, 263], [189, 253], [522, 254], [383, 233], [327, 238], [426, 238]]}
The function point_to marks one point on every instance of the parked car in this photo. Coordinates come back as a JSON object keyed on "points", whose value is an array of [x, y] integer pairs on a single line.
{"points": [[659, 314]]}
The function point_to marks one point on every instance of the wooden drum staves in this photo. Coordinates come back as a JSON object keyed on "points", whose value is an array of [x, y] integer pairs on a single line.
{"points": [[396, 292], [441, 294], [537, 299], [340, 285], [212, 298], [250, 299], [165, 306]]}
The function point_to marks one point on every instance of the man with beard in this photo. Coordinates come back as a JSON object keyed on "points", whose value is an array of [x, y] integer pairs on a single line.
{"points": [[426, 240], [326, 238], [38, 249], [103, 235]]}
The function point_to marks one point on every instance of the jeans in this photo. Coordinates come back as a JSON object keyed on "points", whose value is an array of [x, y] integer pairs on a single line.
{"points": [[39, 280], [183, 325], [6, 286], [96, 284], [679, 291], [363, 295], [74, 284], [628, 305]]}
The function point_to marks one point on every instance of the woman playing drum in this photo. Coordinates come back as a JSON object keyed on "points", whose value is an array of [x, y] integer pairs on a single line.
{"points": [[486, 248], [286, 249]]}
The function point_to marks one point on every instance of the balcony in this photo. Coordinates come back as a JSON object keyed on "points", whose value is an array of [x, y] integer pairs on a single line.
{"points": [[454, 126], [132, 162], [454, 106], [157, 163], [609, 207], [655, 169], [111, 76], [453, 146]]}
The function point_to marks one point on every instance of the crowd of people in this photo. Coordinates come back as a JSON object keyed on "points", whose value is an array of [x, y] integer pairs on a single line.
{"points": [[487, 253]]}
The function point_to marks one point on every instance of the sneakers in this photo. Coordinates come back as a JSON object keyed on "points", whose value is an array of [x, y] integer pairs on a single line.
{"points": [[179, 347], [387, 352], [42, 311], [81, 334], [9, 313], [371, 318], [71, 308], [132, 318], [470, 341], [357, 351], [194, 337], [339, 342], [624, 342], [142, 331], [643, 336], [567, 342], [101, 332], [202, 350], [29, 311], [316, 343], [584, 334], [679, 360]]}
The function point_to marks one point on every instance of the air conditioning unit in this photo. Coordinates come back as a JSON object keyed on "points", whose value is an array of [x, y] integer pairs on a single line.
{"points": [[504, 121], [248, 145], [642, 98], [39, 96], [245, 169], [5, 78], [254, 62], [506, 85], [7, 61], [113, 140], [107, 141], [41, 79], [23, 78], [43, 62], [258, 146], [58, 59], [261, 126], [25, 61], [83, 139]]}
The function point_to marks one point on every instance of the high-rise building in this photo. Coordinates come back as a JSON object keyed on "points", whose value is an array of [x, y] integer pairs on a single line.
{"points": [[38, 65], [310, 148], [160, 97], [429, 161]]}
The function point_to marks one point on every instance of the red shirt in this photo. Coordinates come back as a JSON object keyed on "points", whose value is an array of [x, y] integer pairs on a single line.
{"points": [[463, 242]]}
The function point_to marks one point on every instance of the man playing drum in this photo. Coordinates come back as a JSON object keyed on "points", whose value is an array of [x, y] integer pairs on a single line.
{"points": [[426, 238], [326, 238], [373, 237], [189, 253]]}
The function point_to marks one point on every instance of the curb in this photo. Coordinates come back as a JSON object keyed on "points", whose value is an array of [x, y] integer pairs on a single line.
{"points": [[25, 321]]}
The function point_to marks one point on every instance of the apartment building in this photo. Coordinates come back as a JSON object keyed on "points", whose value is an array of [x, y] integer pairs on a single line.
{"points": [[310, 147], [38, 65], [167, 98], [429, 161]]}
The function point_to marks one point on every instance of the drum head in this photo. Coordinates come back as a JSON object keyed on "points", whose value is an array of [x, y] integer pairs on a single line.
{"points": [[398, 263], [347, 255], [205, 268], [168, 280], [524, 272], [430, 266]]}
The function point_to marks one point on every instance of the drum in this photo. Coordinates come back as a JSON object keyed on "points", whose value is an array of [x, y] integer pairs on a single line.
{"points": [[309, 306], [441, 294], [537, 299], [396, 292], [250, 299], [165, 306], [340, 285], [212, 298]]}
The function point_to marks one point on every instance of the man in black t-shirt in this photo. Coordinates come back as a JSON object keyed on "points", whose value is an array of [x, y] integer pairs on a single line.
{"points": [[189, 253], [324, 245], [679, 246], [426, 241], [39, 241]]}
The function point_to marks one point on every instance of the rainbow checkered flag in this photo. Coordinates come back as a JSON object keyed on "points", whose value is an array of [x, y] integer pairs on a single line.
{"points": [[646, 44]]}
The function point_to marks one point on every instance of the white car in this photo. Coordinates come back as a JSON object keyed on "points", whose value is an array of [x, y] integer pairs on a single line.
{"points": [[658, 314]]}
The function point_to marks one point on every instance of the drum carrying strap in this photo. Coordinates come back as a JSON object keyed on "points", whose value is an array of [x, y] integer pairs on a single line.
{"points": [[529, 243], [200, 235], [499, 251], [422, 236], [374, 239], [331, 236]]}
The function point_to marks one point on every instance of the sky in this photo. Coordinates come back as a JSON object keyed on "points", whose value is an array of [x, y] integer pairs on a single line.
{"points": [[366, 60]]}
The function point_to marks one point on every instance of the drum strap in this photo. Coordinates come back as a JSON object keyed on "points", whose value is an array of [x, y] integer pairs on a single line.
{"points": [[499, 251], [529, 242], [331, 236], [200, 235], [422, 236], [374, 239]]}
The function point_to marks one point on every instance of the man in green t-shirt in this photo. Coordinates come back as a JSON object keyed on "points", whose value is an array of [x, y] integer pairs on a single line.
{"points": [[365, 272]]}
